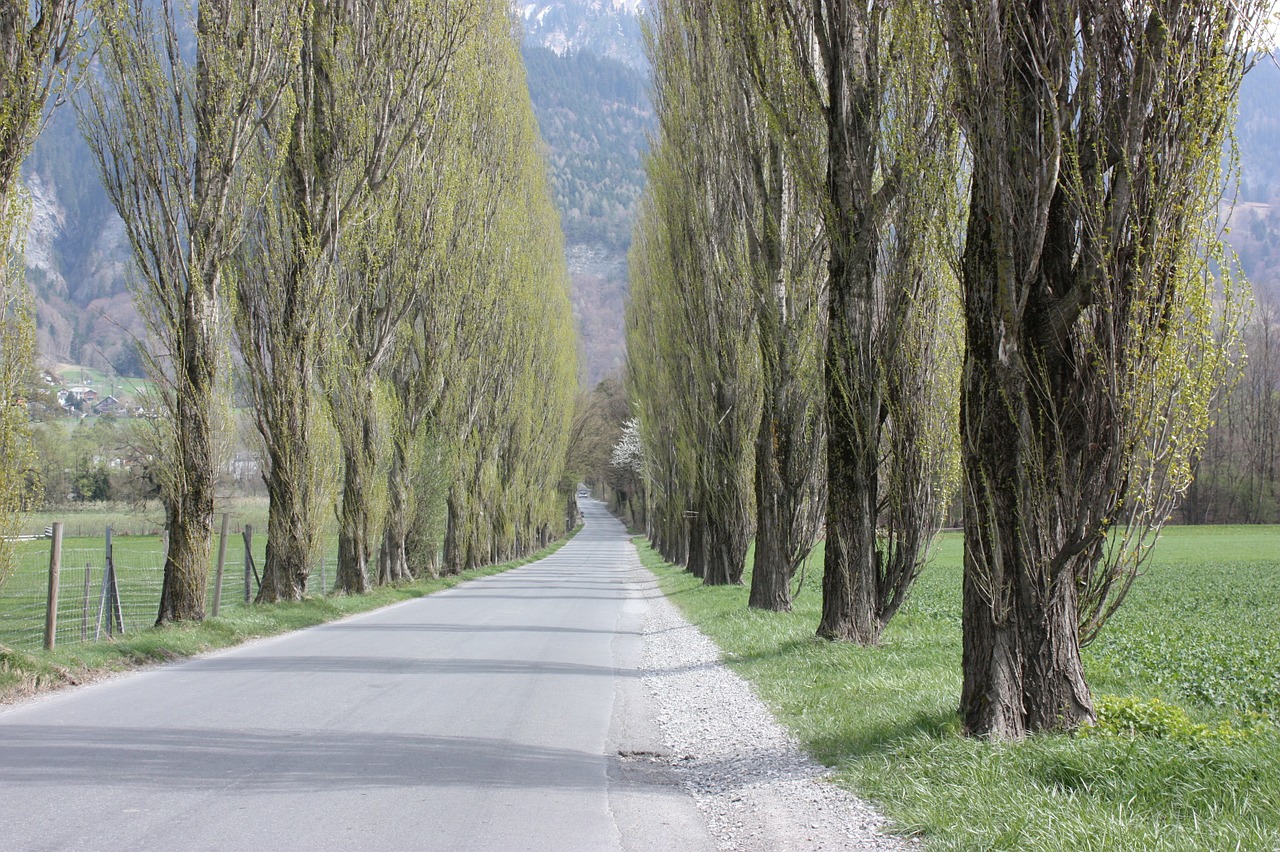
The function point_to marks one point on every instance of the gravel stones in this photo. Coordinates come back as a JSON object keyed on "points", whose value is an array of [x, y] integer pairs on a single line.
{"points": [[754, 786]]}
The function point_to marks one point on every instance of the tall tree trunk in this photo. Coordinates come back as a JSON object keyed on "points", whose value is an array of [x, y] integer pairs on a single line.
{"points": [[291, 521], [850, 588], [726, 548], [454, 534], [292, 335], [393, 559], [1022, 665], [771, 571], [189, 509], [354, 546], [356, 522], [850, 580], [189, 505], [696, 563]]}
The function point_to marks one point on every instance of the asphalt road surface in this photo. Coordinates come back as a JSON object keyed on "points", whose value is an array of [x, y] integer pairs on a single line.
{"points": [[498, 715]]}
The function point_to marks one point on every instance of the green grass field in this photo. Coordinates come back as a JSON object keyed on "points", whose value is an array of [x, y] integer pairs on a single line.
{"points": [[138, 558], [91, 519], [1193, 660], [122, 387], [139, 568]]}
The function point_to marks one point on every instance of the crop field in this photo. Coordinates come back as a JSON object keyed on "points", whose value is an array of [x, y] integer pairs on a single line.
{"points": [[1186, 677]]}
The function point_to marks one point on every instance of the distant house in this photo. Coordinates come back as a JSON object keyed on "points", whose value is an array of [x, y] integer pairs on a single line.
{"points": [[109, 405], [89, 395]]}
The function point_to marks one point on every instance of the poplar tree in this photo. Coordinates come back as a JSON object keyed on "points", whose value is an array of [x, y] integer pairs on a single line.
{"points": [[377, 277], [1089, 274], [363, 93], [38, 45], [185, 166], [888, 162], [773, 182], [653, 333], [709, 360], [507, 416]]}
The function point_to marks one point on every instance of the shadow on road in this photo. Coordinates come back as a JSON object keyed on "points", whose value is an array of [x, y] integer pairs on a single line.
{"points": [[301, 760]]}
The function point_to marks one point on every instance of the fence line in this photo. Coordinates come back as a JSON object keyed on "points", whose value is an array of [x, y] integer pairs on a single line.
{"points": [[81, 614]]}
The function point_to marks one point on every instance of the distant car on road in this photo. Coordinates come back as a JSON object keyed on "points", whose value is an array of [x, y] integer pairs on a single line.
{"points": [[582, 492]]}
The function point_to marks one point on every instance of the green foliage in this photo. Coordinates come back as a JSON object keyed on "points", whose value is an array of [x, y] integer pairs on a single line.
{"points": [[1138, 717], [100, 458], [1202, 774], [17, 354]]}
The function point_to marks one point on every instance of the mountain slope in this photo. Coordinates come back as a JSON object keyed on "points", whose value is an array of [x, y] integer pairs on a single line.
{"points": [[588, 80], [609, 29], [1255, 221]]}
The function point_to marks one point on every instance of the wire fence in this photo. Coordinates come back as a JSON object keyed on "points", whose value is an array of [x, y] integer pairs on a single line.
{"points": [[87, 600]]}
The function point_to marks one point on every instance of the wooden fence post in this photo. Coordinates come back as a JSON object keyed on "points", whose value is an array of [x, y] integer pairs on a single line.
{"points": [[222, 559], [55, 567], [102, 598]]}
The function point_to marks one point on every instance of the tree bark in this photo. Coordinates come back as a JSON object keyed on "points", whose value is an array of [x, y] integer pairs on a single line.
{"points": [[1022, 665], [189, 509], [356, 522], [393, 557], [696, 563], [850, 580], [291, 525], [771, 570], [850, 591], [453, 537], [726, 551]]}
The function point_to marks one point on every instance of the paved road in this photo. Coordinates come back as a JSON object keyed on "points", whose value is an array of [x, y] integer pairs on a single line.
{"points": [[487, 717]]}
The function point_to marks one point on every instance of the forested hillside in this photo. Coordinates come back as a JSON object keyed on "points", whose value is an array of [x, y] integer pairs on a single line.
{"points": [[595, 117], [589, 87], [1255, 221], [77, 257]]}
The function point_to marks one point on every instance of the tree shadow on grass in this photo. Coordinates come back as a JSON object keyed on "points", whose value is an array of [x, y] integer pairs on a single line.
{"points": [[883, 737]]}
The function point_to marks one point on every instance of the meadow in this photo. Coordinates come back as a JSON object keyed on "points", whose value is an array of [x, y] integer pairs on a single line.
{"points": [[138, 557], [90, 520], [125, 388], [1186, 677]]}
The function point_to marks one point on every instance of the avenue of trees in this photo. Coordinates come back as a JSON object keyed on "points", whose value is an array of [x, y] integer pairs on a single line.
{"points": [[340, 220], [900, 256]]}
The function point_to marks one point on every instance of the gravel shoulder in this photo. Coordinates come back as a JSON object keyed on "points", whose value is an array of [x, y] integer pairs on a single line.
{"points": [[757, 791]]}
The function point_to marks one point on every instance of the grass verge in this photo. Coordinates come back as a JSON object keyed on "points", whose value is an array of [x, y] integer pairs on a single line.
{"points": [[1187, 755], [23, 674]]}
